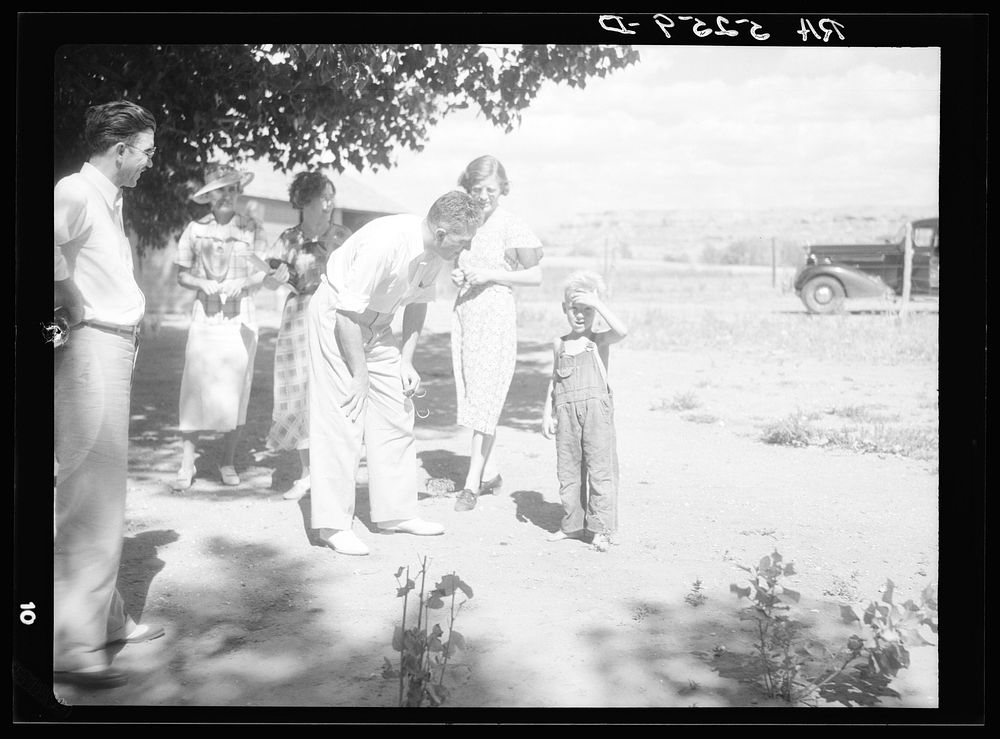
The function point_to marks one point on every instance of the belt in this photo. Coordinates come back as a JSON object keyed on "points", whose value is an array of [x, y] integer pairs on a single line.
{"points": [[114, 328]]}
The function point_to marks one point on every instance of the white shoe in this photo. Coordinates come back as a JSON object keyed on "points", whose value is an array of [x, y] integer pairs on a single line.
{"points": [[299, 489], [344, 542], [229, 476], [415, 526]]}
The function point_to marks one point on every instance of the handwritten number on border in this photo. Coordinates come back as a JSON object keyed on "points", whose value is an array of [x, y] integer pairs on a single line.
{"points": [[827, 27]]}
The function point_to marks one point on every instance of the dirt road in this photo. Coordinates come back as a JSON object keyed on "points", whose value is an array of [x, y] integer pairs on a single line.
{"points": [[258, 615]]}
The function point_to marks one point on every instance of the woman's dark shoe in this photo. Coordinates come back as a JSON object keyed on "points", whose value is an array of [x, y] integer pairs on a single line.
{"points": [[491, 486], [466, 500]]}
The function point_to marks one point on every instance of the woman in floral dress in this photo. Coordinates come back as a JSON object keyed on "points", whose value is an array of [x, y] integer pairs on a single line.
{"points": [[303, 250], [218, 257], [504, 254]]}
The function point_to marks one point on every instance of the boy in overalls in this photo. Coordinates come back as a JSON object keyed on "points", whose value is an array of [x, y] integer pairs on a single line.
{"points": [[580, 414]]}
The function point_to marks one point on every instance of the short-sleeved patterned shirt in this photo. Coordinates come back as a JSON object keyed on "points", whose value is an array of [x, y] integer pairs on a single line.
{"points": [[308, 257], [496, 243], [219, 252]]}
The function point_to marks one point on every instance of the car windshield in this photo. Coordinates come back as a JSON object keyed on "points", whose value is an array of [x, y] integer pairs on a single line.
{"points": [[923, 236]]}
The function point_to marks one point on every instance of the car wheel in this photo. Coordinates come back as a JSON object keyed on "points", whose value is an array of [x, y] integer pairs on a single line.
{"points": [[823, 294]]}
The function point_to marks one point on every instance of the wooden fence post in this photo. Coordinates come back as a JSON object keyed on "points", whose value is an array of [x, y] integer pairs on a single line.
{"points": [[907, 267], [774, 268]]}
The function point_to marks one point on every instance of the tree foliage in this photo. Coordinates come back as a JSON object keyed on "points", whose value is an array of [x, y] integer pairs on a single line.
{"points": [[356, 105]]}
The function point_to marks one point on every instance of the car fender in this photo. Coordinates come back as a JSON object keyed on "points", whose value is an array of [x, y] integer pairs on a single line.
{"points": [[857, 284]]}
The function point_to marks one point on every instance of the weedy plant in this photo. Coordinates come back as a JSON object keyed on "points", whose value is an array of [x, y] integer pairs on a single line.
{"points": [[795, 430], [776, 631], [801, 670], [680, 402], [423, 650], [696, 597]]}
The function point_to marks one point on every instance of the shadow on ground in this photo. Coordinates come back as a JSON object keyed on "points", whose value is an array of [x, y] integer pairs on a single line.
{"points": [[156, 440], [242, 630], [139, 565], [532, 507], [245, 627], [531, 374]]}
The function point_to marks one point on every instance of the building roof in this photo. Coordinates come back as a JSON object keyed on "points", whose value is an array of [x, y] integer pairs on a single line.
{"points": [[272, 184]]}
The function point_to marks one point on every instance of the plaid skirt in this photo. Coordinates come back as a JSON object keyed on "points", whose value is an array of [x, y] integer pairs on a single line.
{"points": [[290, 415]]}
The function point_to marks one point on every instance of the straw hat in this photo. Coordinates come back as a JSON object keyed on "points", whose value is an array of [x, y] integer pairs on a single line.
{"points": [[220, 175]]}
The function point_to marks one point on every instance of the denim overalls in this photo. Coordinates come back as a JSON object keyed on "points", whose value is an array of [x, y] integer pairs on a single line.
{"points": [[585, 442]]}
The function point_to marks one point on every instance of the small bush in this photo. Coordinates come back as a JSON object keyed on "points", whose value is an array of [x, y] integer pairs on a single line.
{"points": [[680, 402], [800, 670], [706, 418], [792, 431], [862, 413], [877, 438], [696, 597], [756, 252], [423, 650]]}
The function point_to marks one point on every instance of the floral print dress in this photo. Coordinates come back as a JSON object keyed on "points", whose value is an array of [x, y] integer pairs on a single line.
{"points": [[484, 323], [307, 263]]}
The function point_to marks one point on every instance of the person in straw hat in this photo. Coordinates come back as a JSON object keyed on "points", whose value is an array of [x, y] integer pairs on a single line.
{"points": [[215, 259]]}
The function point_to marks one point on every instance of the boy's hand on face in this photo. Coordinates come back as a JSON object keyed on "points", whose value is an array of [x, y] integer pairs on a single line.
{"points": [[586, 299]]}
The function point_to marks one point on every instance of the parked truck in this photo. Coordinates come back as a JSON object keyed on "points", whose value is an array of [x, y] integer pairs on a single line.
{"points": [[834, 272]]}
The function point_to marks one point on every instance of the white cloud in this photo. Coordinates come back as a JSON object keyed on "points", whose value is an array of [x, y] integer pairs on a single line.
{"points": [[747, 127]]}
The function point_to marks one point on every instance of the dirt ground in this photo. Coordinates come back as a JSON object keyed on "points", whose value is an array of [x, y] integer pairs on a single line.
{"points": [[257, 614]]}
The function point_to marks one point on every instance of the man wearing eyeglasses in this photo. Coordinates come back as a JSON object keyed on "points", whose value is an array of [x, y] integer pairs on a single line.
{"points": [[96, 289]]}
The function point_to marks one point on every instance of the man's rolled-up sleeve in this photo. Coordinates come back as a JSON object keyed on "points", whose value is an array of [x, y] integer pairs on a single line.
{"points": [[355, 277], [70, 213]]}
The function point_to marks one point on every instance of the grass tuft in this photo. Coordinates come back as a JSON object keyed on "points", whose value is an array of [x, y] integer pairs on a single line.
{"points": [[795, 430]]}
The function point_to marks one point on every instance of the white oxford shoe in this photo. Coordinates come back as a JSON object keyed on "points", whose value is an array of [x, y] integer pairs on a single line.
{"points": [[415, 526], [345, 542]]}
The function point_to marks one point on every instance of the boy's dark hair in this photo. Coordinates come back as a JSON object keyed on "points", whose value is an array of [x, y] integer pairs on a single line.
{"points": [[455, 210], [105, 125]]}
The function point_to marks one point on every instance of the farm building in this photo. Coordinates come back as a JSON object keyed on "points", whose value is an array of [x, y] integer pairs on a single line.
{"points": [[267, 197], [356, 203]]}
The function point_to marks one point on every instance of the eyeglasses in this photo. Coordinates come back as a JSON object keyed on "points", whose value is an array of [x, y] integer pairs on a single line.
{"points": [[150, 153], [421, 412]]}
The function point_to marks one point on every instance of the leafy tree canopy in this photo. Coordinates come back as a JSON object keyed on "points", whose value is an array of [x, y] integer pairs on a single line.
{"points": [[293, 103]]}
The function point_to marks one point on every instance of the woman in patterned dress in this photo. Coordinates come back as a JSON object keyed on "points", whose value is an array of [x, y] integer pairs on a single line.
{"points": [[504, 254], [215, 259], [303, 249]]}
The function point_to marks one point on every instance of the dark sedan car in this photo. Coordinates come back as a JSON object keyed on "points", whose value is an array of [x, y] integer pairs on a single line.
{"points": [[834, 272]]}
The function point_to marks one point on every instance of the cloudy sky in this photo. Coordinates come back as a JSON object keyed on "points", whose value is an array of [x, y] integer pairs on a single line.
{"points": [[742, 128]]}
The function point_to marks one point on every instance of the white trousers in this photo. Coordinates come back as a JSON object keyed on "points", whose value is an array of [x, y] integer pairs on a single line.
{"points": [[384, 428], [93, 382]]}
